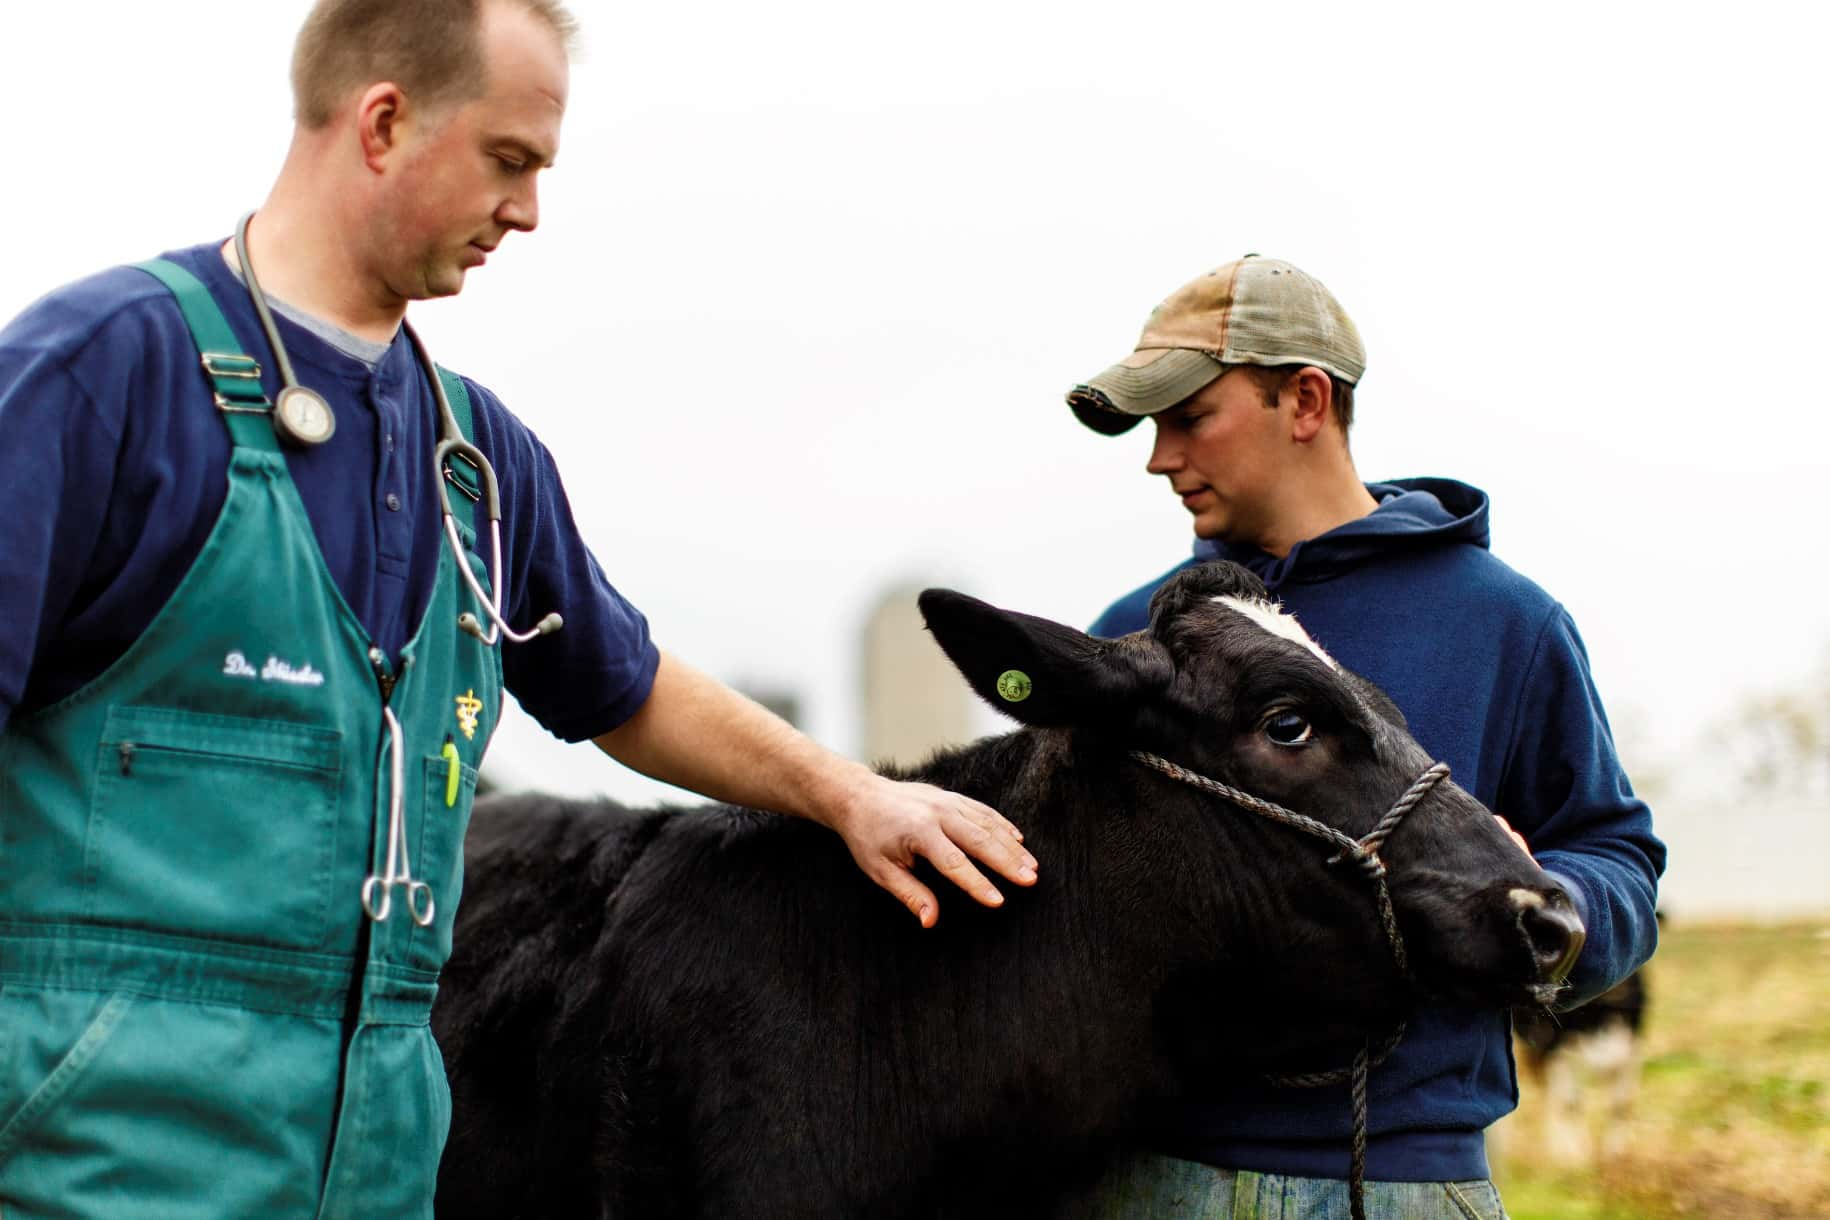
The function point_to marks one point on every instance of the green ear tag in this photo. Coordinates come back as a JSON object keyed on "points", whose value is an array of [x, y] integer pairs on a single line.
{"points": [[1014, 686]]}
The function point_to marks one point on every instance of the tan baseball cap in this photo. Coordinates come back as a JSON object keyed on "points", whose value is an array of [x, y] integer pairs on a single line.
{"points": [[1253, 311]]}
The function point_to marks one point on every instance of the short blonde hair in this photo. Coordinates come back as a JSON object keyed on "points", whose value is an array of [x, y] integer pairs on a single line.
{"points": [[432, 49]]}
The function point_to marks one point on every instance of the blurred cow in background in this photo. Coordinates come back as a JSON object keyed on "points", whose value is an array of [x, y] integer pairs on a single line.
{"points": [[1581, 1072]]}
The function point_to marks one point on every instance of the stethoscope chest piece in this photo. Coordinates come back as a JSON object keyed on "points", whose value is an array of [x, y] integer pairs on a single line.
{"points": [[302, 417]]}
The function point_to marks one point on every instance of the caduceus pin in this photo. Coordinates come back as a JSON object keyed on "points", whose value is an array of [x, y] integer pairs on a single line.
{"points": [[468, 705]]}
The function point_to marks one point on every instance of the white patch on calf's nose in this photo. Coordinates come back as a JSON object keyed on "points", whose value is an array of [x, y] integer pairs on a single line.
{"points": [[1278, 622], [1525, 900]]}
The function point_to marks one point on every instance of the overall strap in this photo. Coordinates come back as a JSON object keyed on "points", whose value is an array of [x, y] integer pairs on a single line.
{"points": [[235, 377], [464, 479]]}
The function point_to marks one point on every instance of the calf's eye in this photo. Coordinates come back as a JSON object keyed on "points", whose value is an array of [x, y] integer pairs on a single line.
{"points": [[1288, 729]]}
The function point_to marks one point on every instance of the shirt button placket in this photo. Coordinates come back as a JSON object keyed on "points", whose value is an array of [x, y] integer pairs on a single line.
{"points": [[379, 387]]}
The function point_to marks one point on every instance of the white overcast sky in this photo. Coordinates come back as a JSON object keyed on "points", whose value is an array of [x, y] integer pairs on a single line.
{"points": [[811, 279]]}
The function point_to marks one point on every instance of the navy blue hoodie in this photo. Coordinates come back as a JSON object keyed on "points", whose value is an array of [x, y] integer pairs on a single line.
{"points": [[1490, 673]]}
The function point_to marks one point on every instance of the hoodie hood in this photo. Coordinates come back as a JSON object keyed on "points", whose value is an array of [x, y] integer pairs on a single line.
{"points": [[1412, 513]]}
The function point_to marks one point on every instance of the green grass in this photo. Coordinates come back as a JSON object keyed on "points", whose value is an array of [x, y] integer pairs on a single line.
{"points": [[1733, 1113]]}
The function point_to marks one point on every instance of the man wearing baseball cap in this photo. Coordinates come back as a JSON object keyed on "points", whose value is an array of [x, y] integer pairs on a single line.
{"points": [[1248, 375]]}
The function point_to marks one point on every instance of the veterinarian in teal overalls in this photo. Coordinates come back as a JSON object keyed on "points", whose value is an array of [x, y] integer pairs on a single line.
{"points": [[197, 964]]}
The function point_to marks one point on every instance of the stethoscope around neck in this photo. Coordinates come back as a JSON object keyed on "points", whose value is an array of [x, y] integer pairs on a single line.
{"points": [[302, 418]]}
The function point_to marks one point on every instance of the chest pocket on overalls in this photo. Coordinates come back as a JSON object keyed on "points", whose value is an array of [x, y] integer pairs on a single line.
{"points": [[217, 826]]}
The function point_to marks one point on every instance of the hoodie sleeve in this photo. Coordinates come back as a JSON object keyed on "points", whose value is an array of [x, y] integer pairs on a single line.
{"points": [[1563, 789]]}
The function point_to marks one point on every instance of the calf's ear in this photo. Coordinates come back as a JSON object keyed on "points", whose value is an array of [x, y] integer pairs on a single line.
{"points": [[1040, 672], [1202, 583]]}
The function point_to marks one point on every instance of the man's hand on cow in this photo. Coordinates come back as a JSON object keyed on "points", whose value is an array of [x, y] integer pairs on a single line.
{"points": [[890, 823], [697, 733]]}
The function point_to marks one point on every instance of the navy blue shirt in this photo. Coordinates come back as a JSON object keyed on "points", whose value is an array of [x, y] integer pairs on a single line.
{"points": [[1493, 679], [114, 468]]}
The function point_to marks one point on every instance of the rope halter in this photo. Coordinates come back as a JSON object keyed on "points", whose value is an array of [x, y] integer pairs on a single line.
{"points": [[1364, 852]]}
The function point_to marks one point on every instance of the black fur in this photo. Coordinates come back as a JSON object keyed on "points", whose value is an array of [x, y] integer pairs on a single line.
{"points": [[711, 1012]]}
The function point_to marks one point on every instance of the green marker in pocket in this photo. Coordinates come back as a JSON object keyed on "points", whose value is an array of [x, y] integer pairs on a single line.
{"points": [[454, 771]]}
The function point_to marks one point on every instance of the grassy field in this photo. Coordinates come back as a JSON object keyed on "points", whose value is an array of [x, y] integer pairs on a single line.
{"points": [[1733, 1113]]}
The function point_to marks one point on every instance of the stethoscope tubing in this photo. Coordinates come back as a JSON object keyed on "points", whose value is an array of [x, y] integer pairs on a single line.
{"points": [[378, 888], [451, 445], [287, 377]]}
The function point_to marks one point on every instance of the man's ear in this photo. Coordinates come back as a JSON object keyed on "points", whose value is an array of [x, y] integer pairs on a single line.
{"points": [[379, 112], [1313, 391], [1040, 672]]}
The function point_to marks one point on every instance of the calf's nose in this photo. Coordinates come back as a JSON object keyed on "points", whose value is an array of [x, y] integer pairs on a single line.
{"points": [[1551, 928]]}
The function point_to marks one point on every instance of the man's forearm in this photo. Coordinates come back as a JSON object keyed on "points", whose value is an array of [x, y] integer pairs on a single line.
{"points": [[697, 733]]}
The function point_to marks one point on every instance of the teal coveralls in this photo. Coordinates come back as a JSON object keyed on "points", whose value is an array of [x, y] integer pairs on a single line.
{"points": [[197, 1019]]}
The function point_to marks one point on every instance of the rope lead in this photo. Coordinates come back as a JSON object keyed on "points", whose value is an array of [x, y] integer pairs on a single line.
{"points": [[1364, 852]]}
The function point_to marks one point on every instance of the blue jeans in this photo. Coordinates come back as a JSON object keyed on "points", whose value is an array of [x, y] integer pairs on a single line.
{"points": [[1152, 1187]]}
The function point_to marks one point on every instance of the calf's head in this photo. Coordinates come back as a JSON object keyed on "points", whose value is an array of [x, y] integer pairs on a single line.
{"points": [[1225, 685]]}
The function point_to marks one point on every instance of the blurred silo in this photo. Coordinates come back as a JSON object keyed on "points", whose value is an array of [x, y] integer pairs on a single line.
{"points": [[914, 700], [779, 699]]}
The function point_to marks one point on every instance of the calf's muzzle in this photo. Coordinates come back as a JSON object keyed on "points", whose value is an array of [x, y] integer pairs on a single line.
{"points": [[1547, 920]]}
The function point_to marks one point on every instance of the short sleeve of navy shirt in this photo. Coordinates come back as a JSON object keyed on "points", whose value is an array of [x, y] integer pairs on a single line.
{"points": [[114, 468]]}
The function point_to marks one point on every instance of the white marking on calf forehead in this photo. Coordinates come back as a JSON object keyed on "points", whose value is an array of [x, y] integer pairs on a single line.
{"points": [[1277, 622]]}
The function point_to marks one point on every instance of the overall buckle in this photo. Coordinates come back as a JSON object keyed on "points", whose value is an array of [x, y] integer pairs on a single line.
{"points": [[225, 369]]}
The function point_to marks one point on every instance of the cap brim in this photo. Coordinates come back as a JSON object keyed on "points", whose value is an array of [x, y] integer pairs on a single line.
{"points": [[1143, 384]]}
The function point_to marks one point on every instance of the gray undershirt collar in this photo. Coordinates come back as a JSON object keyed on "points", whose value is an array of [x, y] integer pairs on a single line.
{"points": [[367, 351]]}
